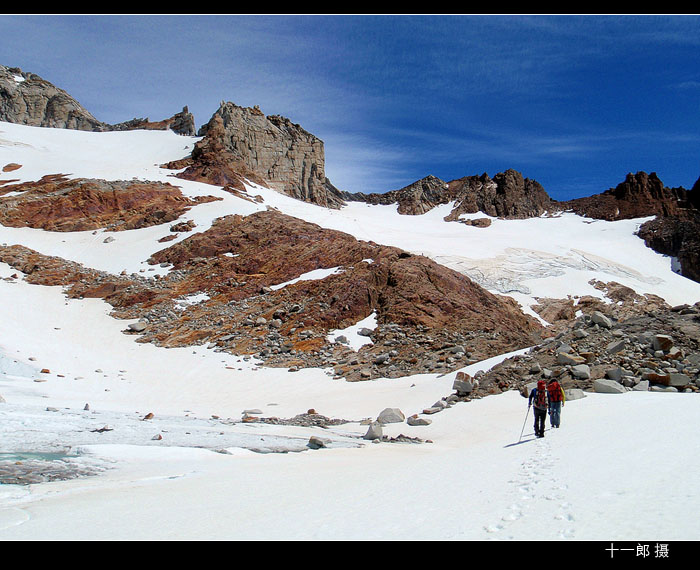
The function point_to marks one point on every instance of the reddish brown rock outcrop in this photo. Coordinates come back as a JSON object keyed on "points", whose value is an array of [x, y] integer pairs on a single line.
{"points": [[241, 142], [640, 195], [430, 318], [57, 203]]}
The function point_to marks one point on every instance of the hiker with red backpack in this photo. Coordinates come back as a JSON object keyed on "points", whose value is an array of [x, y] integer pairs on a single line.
{"points": [[555, 395], [538, 401]]}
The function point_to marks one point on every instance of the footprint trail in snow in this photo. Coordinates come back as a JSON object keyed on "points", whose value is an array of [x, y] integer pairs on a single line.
{"points": [[535, 483]]}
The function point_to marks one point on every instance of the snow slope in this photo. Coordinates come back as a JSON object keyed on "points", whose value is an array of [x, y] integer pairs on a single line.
{"points": [[607, 474]]}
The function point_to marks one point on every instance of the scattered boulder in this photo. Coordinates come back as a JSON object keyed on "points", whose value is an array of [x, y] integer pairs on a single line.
{"points": [[316, 442], [464, 384], [574, 394], [662, 342], [582, 371]]}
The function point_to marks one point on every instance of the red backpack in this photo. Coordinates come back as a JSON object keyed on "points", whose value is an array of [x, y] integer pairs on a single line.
{"points": [[541, 396], [554, 390]]}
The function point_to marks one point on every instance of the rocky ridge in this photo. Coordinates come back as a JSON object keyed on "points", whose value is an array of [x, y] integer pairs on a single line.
{"points": [[657, 351], [27, 99], [507, 195]]}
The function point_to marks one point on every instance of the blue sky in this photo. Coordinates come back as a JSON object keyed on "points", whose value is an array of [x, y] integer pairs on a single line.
{"points": [[574, 102]]}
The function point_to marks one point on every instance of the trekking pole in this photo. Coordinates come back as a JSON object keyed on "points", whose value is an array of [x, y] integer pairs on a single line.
{"points": [[522, 430]]}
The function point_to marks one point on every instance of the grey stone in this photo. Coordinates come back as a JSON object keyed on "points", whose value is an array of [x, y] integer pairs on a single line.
{"points": [[574, 394], [137, 327], [391, 416], [614, 373], [679, 380], [607, 386], [600, 319], [616, 346], [415, 420], [374, 431], [662, 342], [641, 386], [567, 358], [581, 371], [316, 442], [463, 384]]}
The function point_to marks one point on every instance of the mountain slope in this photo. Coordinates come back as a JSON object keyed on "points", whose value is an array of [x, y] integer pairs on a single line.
{"points": [[187, 420]]}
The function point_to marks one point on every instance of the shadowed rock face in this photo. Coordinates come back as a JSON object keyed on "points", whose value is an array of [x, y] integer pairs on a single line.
{"points": [[27, 99], [277, 151]]}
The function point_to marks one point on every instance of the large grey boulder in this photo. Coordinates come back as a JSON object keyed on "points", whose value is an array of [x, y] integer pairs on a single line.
{"points": [[464, 384], [391, 416], [607, 386], [574, 394], [600, 319], [581, 371]]}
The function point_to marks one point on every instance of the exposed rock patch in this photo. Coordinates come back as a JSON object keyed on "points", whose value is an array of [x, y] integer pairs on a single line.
{"points": [[57, 203], [431, 319], [638, 196]]}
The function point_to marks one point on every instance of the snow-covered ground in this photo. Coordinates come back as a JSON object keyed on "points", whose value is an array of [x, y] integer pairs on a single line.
{"points": [[621, 467]]}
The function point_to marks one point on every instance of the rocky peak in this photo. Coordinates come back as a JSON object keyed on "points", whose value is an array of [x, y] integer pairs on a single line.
{"points": [[416, 198], [288, 158], [507, 194], [27, 99], [639, 195]]}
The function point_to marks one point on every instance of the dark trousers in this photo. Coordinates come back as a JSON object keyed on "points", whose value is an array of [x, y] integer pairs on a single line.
{"points": [[540, 417]]}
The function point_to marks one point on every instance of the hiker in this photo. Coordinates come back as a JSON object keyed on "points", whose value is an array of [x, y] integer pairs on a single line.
{"points": [[556, 398], [538, 399]]}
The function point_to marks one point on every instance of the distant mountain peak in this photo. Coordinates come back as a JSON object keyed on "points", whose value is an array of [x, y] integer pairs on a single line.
{"points": [[27, 99]]}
